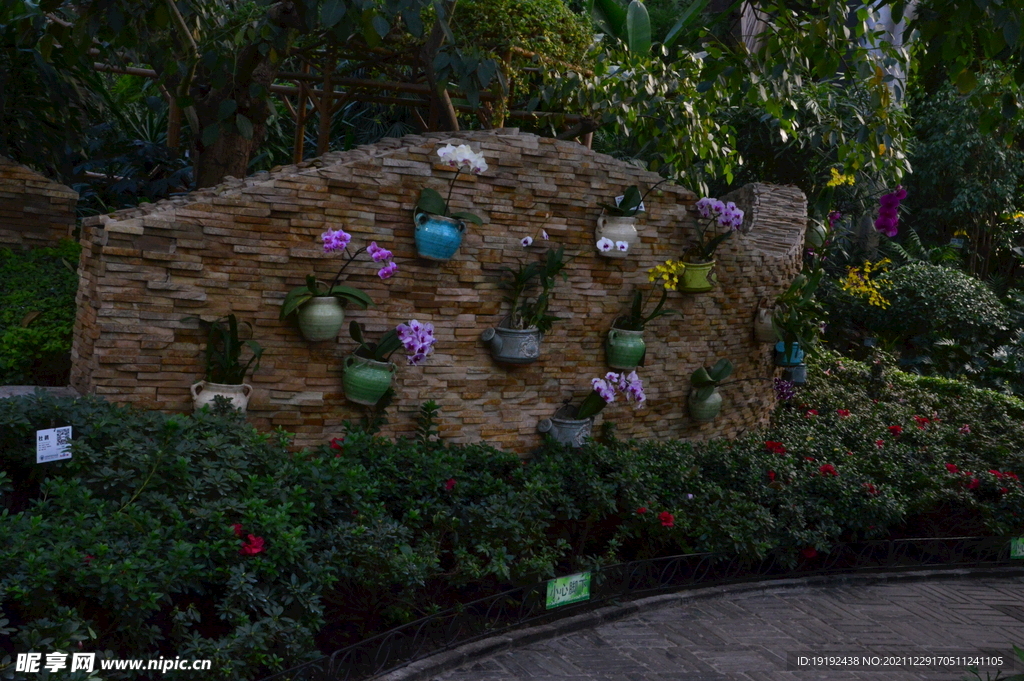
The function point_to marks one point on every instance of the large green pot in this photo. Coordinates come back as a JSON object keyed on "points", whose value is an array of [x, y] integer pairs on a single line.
{"points": [[697, 277], [365, 381], [705, 410], [321, 318], [625, 348]]}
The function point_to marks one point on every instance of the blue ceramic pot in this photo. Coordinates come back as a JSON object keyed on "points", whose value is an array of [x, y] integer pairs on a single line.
{"points": [[794, 358], [438, 237]]}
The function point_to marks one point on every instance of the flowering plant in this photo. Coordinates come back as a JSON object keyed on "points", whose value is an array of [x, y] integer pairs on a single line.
{"points": [[630, 203], [456, 157], [417, 339], [796, 315], [706, 380], [888, 211], [605, 389], [525, 313], [715, 212], [338, 240]]}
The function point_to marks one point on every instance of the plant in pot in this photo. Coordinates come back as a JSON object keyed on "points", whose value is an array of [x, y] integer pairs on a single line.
{"points": [[625, 347], [572, 425], [705, 401], [369, 370], [698, 275], [320, 307], [225, 372], [516, 339], [439, 230], [796, 322], [616, 232]]}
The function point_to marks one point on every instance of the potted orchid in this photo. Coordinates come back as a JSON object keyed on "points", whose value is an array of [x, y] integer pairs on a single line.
{"points": [[572, 425], [625, 346], [705, 401], [439, 230], [320, 307], [369, 370], [616, 232], [700, 259], [516, 339]]}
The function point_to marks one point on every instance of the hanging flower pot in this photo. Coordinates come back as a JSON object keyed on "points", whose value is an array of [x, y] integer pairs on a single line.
{"points": [[797, 375], [791, 358], [565, 430], [624, 348], [764, 331], [616, 235], [438, 237], [365, 381], [204, 392], [513, 346], [697, 277], [321, 318], [707, 409]]}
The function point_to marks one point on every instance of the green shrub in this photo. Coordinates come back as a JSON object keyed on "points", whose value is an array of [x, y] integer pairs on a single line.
{"points": [[37, 313]]}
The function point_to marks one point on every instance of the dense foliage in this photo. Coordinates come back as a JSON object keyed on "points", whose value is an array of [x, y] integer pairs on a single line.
{"points": [[37, 314], [196, 536]]}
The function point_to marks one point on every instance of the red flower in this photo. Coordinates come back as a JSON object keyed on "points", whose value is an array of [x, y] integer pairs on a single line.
{"points": [[771, 476], [922, 422], [843, 413], [811, 412], [667, 519], [450, 485], [996, 473], [1011, 475], [879, 443], [1003, 490], [973, 484], [642, 510], [952, 468], [88, 559], [808, 458], [870, 489], [237, 528], [896, 430], [828, 470], [251, 547], [774, 447], [849, 453], [809, 552], [338, 443]]}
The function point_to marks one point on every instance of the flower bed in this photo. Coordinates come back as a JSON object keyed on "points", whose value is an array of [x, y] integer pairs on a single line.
{"points": [[201, 538]]}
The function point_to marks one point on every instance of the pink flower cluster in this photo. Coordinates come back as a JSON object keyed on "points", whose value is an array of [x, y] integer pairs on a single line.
{"points": [[335, 240], [727, 214], [630, 385], [888, 211], [382, 255], [418, 340]]}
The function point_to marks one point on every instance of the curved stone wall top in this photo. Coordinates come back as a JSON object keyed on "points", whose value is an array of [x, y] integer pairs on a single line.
{"points": [[241, 246]]}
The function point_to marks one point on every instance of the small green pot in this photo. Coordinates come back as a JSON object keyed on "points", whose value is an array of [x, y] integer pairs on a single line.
{"points": [[365, 381], [697, 277], [625, 349], [321, 318], [704, 410]]}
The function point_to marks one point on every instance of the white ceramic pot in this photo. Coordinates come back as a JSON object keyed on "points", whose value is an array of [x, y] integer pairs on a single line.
{"points": [[617, 228], [764, 332], [203, 393], [321, 318]]}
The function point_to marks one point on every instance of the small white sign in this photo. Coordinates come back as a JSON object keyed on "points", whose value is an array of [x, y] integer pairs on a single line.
{"points": [[53, 444], [956, 243]]}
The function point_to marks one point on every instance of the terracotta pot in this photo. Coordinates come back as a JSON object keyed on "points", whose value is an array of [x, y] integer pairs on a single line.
{"points": [[625, 348], [704, 410], [365, 381], [617, 228], [321, 318], [203, 393]]}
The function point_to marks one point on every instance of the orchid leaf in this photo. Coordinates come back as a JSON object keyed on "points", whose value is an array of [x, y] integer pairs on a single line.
{"points": [[462, 215], [351, 295], [356, 332], [295, 299], [432, 202]]}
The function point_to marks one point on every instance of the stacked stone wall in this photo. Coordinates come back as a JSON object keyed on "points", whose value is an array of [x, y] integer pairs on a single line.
{"points": [[240, 247], [34, 211]]}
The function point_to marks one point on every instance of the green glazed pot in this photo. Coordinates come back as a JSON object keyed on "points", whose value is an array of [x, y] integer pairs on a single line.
{"points": [[321, 318], [365, 381], [705, 410], [624, 348], [697, 277]]}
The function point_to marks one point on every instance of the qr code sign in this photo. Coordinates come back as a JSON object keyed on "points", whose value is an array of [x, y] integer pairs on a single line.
{"points": [[53, 444]]}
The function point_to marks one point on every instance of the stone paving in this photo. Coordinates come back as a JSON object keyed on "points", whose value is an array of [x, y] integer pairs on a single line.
{"points": [[757, 636]]}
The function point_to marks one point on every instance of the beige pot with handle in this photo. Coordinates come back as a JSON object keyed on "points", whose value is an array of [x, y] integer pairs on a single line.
{"points": [[617, 229], [204, 392]]}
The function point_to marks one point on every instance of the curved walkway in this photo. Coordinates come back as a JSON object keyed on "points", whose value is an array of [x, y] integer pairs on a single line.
{"points": [[758, 635]]}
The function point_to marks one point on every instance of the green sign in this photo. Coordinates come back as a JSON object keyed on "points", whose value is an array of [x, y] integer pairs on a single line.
{"points": [[1016, 551], [570, 589]]}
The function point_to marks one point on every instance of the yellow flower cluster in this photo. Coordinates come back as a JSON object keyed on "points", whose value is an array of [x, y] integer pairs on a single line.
{"points": [[858, 282], [667, 273], [840, 178]]}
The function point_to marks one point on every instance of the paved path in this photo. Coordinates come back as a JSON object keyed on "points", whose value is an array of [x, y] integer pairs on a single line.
{"points": [[755, 635]]}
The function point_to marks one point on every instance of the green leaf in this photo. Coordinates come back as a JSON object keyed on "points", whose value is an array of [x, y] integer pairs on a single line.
{"points": [[381, 25], [226, 108], [692, 11], [966, 81], [701, 378], [295, 299], [432, 202], [610, 17], [356, 332], [470, 217], [351, 295], [210, 134], [244, 126], [638, 28], [331, 13], [389, 342], [721, 371]]}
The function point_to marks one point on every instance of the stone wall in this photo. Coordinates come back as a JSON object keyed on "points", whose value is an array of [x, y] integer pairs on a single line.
{"points": [[241, 246], [34, 211]]}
